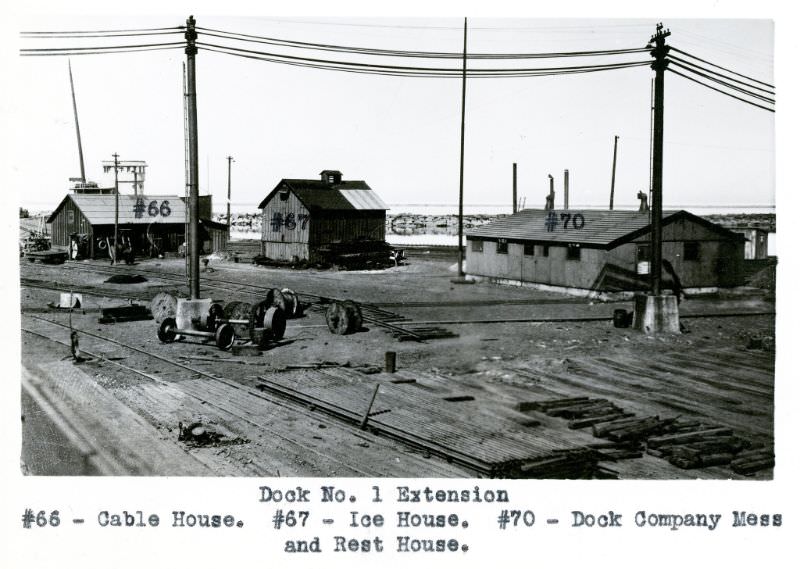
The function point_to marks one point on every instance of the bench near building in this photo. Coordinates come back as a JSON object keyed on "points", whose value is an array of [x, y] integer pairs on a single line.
{"points": [[603, 252], [304, 219], [83, 223]]}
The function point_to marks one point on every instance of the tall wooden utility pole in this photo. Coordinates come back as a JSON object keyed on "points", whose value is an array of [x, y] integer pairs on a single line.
{"points": [[461, 174], [659, 52], [77, 126], [194, 209], [230, 159], [613, 173], [116, 208], [514, 191]]}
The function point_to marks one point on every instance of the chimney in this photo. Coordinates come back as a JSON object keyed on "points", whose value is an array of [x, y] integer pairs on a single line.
{"points": [[643, 202], [566, 189], [514, 191], [551, 198]]}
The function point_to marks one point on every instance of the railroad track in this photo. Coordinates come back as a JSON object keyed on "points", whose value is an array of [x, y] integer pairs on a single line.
{"points": [[292, 400], [371, 313], [199, 397]]}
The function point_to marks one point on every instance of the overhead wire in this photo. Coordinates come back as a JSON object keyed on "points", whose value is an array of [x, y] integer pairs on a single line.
{"points": [[720, 90], [723, 83], [60, 50], [722, 76], [672, 48], [72, 32], [445, 70], [96, 35], [408, 53], [105, 52], [406, 73]]}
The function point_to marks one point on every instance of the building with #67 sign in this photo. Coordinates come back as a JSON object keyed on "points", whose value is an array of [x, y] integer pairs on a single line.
{"points": [[303, 220]]}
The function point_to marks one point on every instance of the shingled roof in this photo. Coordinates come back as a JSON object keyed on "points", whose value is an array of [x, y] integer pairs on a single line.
{"points": [[601, 228], [319, 195]]}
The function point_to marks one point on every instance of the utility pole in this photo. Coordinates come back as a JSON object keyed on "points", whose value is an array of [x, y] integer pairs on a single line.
{"points": [[461, 174], [230, 159], [116, 208], [659, 52], [613, 173], [77, 127], [194, 209], [514, 191]]}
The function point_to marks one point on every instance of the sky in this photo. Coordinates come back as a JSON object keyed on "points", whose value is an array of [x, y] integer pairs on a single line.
{"points": [[400, 135]]}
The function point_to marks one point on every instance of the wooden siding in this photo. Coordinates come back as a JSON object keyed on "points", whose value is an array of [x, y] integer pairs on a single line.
{"points": [[217, 241], [310, 231], [719, 264], [340, 227], [63, 225], [275, 229], [285, 251]]}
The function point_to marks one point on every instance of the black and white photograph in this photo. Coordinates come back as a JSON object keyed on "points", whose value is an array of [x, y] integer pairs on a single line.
{"points": [[471, 252]]}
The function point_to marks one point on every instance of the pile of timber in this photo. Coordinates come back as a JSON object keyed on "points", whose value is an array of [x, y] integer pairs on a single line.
{"points": [[582, 411], [751, 461], [568, 464], [685, 443], [695, 445]]}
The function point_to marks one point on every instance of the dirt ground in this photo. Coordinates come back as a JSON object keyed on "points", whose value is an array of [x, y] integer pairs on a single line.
{"points": [[559, 350]]}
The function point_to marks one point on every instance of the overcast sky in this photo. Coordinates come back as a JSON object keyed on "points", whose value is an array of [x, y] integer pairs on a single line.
{"points": [[400, 135]]}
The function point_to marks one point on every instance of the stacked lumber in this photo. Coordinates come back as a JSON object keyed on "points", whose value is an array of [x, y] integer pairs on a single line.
{"points": [[696, 445], [750, 462], [582, 411], [631, 429], [685, 443], [569, 464]]}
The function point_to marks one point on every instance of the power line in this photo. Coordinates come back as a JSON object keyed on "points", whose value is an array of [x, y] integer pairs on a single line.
{"points": [[400, 71], [64, 53], [719, 90], [725, 84], [558, 29], [60, 50], [720, 67], [101, 31], [401, 68], [718, 74], [93, 35], [407, 53]]}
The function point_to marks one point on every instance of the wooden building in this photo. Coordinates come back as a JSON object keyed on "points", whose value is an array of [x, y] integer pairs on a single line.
{"points": [[301, 218], [756, 241], [601, 252], [154, 224]]}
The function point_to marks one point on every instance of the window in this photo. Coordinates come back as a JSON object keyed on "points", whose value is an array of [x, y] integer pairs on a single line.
{"points": [[283, 195], [477, 246], [502, 247], [691, 251], [573, 252], [545, 250], [70, 216], [528, 249]]}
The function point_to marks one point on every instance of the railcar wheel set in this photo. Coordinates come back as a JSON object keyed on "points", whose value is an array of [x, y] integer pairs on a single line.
{"points": [[261, 323]]}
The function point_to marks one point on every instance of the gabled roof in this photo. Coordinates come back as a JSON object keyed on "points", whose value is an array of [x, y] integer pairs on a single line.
{"points": [[99, 208], [600, 228], [319, 195]]}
